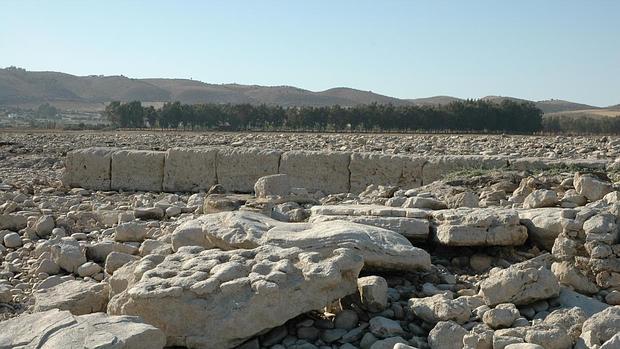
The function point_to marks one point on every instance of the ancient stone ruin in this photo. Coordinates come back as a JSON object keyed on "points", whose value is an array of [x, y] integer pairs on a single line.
{"points": [[221, 247]]}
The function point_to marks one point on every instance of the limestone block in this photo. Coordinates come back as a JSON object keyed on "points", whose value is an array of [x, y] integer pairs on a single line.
{"points": [[190, 169], [314, 170], [88, 168], [138, 170], [239, 168]]}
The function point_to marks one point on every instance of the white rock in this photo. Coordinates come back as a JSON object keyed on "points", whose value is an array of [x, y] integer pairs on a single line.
{"points": [[44, 225], [239, 168], [190, 169], [89, 269], [503, 315], [59, 329], [602, 326], [78, 297], [88, 168], [313, 170], [591, 187], [130, 231], [446, 335], [138, 170], [541, 198], [277, 185], [12, 240], [380, 248], [441, 307], [68, 254], [373, 292], [240, 293]]}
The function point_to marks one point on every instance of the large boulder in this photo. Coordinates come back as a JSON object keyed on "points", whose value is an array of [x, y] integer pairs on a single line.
{"points": [[68, 254], [479, 227], [239, 168], [520, 284], [591, 187], [55, 329], [380, 248], [441, 307], [317, 170], [216, 299], [88, 168], [545, 224], [138, 170], [78, 297], [190, 169], [601, 327]]}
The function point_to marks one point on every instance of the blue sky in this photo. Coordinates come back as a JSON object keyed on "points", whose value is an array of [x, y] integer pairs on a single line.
{"points": [[534, 49]]}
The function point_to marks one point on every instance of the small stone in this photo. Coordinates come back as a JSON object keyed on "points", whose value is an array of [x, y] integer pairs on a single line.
{"points": [[613, 298], [89, 269], [383, 327], [373, 292], [12, 240], [346, 319]]}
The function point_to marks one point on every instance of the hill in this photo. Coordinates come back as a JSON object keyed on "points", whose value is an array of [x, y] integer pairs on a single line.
{"points": [[436, 100]]}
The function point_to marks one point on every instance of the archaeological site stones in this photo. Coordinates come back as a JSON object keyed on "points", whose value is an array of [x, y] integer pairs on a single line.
{"points": [[308, 241]]}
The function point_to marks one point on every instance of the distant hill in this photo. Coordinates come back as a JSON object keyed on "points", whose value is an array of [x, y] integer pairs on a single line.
{"points": [[436, 100], [19, 87]]}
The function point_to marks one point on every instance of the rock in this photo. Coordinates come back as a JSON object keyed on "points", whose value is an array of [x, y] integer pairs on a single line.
{"points": [[89, 269], [138, 170], [601, 227], [373, 293], [238, 169], [78, 297], [277, 185], [503, 315], [569, 299], [130, 231], [12, 222], [116, 260], [446, 335], [479, 227], [523, 346], [480, 263], [570, 319], [59, 329], [68, 254], [326, 171], [383, 327], [44, 225], [189, 169], [549, 337], [12, 240], [99, 251], [612, 343], [520, 284], [270, 284], [380, 248], [346, 319], [568, 274], [411, 228], [388, 343], [591, 187], [545, 224], [215, 203], [601, 327], [385, 169], [425, 203], [441, 307], [5, 294], [612, 298], [88, 168], [147, 213], [464, 199], [541, 198]]}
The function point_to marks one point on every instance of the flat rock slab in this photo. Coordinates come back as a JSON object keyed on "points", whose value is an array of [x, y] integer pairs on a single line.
{"points": [[370, 210], [411, 228], [380, 248], [78, 297], [55, 329], [479, 227], [217, 299]]}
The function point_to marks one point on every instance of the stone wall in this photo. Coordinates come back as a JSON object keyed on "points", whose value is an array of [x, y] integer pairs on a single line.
{"points": [[237, 169]]}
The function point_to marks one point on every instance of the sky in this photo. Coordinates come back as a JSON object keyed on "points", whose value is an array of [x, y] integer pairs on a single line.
{"points": [[532, 49]]}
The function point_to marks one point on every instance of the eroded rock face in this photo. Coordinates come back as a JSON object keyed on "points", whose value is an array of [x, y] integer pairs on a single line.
{"points": [[216, 299], [54, 329], [479, 227], [601, 327], [78, 297], [591, 187], [380, 248], [521, 283]]}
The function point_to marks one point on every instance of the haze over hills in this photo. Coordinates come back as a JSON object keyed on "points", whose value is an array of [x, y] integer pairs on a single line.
{"points": [[19, 87]]}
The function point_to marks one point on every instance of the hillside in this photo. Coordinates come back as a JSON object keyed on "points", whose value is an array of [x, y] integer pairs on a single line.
{"points": [[27, 89]]}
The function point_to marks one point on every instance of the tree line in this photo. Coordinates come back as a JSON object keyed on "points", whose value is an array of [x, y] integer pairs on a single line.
{"points": [[467, 115], [580, 124]]}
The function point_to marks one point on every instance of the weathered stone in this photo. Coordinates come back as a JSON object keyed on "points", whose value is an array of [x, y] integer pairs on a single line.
{"points": [[138, 170], [44, 225], [12, 222], [446, 335], [130, 231], [383, 327], [147, 213], [541, 198], [68, 254], [441, 307], [373, 292], [88, 168], [545, 224], [196, 295], [190, 169], [600, 327], [385, 169], [479, 227], [380, 248], [239, 168], [277, 185], [591, 187], [411, 228], [313, 170], [503, 315], [115, 260], [520, 284], [59, 329], [568, 274], [78, 297]]}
